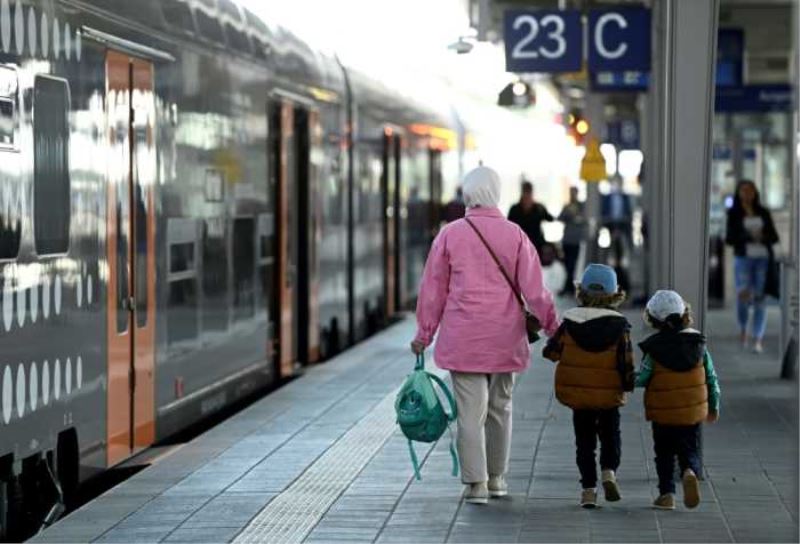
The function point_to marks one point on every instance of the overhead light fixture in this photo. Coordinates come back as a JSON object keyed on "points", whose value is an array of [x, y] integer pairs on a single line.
{"points": [[519, 88]]}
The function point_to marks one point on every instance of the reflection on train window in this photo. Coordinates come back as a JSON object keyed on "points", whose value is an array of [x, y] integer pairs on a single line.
{"points": [[181, 257], [237, 39], [244, 263], [140, 255], [51, 211], [178, 15], [209, 27], [182, 317], [6, 122], [215, 275]]}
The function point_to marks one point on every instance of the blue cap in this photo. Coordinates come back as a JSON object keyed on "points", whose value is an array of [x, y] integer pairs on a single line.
{"points": [[599, 279]]}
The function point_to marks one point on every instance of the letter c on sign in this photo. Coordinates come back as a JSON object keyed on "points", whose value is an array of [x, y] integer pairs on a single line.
{"points": [[598, 35]]}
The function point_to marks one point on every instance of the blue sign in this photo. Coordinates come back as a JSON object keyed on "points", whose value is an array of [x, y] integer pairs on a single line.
{"points": [[623, 134], [620, 81], [619, 40], [543, 41], [730, 52], [776, 97]]}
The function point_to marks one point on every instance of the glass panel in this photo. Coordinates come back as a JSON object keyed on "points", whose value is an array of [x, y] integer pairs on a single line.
{"points": [[237, 39], [209, 27], [51, 166], [6, 122], [215, 275], [181, 257], [229, 8], [244, 264], [182, 311], [178, 15]]}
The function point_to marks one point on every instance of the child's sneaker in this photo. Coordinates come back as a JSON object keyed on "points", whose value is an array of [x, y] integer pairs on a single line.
{"points": [[589, 498], [691, 489], [610, 487], [665, 502], [498, 486], [477, 493]]}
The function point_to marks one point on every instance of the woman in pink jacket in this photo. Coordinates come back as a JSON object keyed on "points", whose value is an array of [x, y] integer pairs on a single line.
{"points": [[482, 339]]}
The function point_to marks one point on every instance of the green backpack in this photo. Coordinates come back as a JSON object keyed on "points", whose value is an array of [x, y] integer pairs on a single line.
{"points": [[420, 413]]}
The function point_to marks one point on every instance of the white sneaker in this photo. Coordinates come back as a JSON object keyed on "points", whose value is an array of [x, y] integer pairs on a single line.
{"points": [[610, 486], [758, 347], [498, 486], [477, 493]]}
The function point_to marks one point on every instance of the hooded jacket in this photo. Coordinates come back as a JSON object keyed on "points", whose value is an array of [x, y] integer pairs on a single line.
{"points": [[595, 359], [677, 392]]}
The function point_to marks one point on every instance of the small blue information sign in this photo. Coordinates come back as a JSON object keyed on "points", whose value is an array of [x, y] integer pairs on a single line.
{"points": [[543, 41], [620, 81], [619, 40]]}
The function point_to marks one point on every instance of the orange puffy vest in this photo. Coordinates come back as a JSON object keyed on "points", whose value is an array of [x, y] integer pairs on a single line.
{"points": [[676, 398], [587, 380]]}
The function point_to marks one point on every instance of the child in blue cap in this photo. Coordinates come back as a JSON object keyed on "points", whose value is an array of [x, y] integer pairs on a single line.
{"points": [[595, 368]]}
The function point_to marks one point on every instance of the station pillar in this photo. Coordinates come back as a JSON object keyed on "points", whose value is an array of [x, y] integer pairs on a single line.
{"points": [[679, 167]]}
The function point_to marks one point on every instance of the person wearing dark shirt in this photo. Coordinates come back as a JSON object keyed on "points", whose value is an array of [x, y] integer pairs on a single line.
{"points": [[529, 214], [455, 209]]}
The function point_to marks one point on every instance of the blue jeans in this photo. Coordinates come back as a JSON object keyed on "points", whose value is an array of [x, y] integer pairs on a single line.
{"points": [[750, 276]]}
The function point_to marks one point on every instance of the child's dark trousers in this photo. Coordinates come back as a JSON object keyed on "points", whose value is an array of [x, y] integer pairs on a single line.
{"points": [[669, 442], [589, 425]]}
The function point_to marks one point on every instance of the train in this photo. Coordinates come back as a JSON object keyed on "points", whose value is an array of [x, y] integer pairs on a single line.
{"points": [[194, 204]]}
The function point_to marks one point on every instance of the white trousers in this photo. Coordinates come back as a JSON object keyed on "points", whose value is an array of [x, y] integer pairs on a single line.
{"points": [[484, 424]]}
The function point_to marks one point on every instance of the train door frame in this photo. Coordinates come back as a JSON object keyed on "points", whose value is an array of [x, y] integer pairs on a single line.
{"points": [[296, 285], [390, 195], [130, 84]]}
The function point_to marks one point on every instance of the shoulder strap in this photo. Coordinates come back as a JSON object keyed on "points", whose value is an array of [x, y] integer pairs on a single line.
{"points": [[497, 262], [450, 400]]}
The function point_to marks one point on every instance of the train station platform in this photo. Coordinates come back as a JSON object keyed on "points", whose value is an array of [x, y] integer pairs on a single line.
{"points": [[321, 459]]}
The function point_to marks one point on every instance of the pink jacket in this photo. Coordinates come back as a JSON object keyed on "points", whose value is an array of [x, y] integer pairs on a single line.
{"points": [[464, 295]]}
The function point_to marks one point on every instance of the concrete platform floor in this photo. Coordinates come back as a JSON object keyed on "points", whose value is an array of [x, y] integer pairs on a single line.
{"points": [[320, 460]]}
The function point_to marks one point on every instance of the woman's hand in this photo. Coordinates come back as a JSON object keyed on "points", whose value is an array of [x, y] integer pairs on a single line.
{"points": [[417, 347], [713, 417]]}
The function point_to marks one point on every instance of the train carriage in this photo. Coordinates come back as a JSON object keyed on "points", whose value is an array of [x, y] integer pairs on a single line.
{"points": [[193, 205]]}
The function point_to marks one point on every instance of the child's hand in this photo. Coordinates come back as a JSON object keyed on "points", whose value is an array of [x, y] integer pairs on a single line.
{"points": [[712, 417]]}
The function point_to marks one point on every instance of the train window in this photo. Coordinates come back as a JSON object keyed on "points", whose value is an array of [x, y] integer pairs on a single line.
{"points": [[51, 182], [209, 27], [238, 39], [215, 274], [244, 266], [6, 122], [229, 8], [178, 15], [181, 257]]}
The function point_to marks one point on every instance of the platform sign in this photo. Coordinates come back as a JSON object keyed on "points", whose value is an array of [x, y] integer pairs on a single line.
{"points": [[624, 134], [543, 40], [754, 98], [593, 165], [619, 40], [630, 81]]}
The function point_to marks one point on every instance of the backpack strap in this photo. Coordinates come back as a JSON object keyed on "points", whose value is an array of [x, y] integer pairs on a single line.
{"points": [[450, 418], [452, 401], [414, 460]]}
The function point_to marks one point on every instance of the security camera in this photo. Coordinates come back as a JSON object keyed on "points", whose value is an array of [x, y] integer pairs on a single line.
{"points": [[461, 47]]}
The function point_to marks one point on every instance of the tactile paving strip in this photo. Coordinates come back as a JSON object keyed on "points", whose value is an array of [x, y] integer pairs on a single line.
{"points": [[292, 515]]}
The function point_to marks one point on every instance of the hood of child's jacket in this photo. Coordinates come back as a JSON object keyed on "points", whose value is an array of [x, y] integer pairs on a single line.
{"points": [[594, 329], [678, 351]]}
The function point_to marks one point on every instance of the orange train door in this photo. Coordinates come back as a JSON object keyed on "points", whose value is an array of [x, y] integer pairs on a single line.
{"points": [[284, 168], [388, 183], [130, 245]]}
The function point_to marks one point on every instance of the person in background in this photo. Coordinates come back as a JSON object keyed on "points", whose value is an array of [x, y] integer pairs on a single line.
{"points": [[617, 215], [482, 339], [681, 392], [529, 214], [595, 369], [455, 209], [574, 233], [751, 232]]}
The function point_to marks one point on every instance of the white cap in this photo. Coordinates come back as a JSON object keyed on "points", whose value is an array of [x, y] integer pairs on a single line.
{"points": [[664, 303], [481, 188]]}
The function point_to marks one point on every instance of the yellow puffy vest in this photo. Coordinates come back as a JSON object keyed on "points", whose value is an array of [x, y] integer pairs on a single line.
{"points": [[587, 380], [676, 398]]}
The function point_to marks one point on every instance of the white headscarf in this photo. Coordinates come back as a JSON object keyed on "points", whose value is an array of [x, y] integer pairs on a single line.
{"points": [[481, 188]]}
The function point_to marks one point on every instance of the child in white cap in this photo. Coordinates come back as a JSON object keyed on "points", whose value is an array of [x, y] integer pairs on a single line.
{"points": [[681, 392]]}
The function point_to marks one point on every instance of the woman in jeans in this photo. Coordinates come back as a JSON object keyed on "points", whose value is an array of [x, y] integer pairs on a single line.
{"points": [[752, 233], [482, 337]]}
